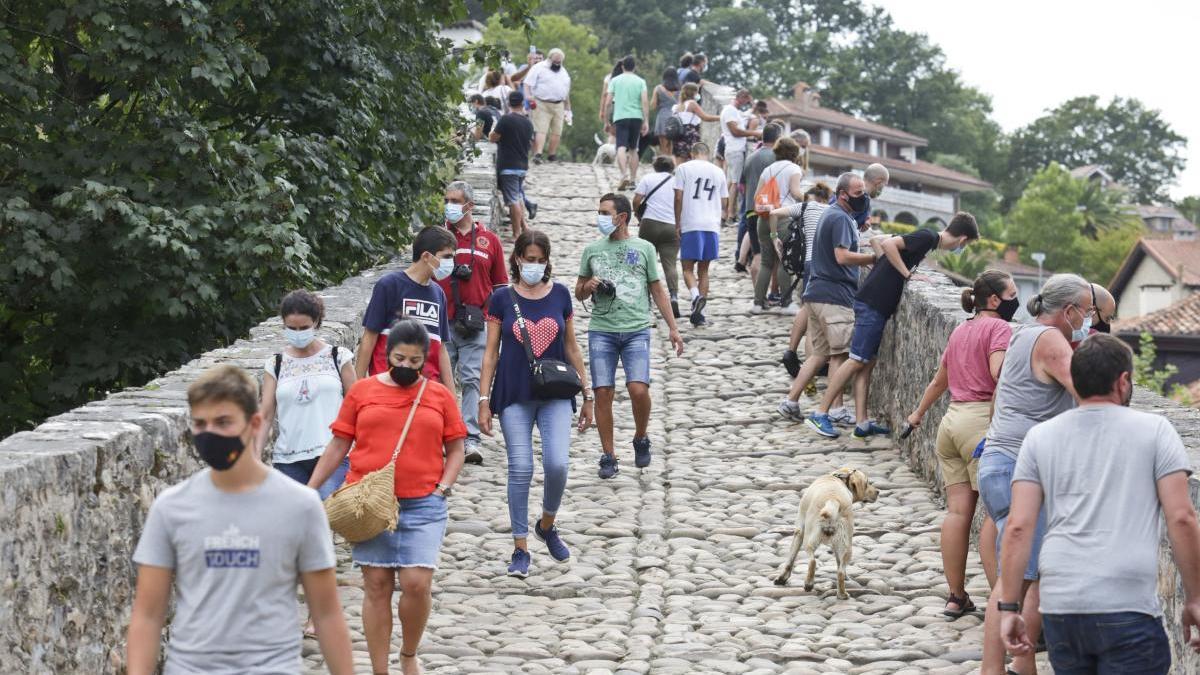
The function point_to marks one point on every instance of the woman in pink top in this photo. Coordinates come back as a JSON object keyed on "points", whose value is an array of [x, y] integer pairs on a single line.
{"points": [[969, 369]]}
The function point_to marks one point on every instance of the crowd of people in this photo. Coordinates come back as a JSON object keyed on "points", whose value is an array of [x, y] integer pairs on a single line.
{"points": [[1072, 482]]}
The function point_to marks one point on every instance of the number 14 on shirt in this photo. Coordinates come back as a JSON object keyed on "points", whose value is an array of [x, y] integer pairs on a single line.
{"points": [[708, 187]]}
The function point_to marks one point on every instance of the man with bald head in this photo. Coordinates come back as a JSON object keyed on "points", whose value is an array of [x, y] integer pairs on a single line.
{"points": [[1106, 309]]}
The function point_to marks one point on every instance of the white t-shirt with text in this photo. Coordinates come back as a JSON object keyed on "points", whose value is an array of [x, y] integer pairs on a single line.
{"points": [[703, 186]]}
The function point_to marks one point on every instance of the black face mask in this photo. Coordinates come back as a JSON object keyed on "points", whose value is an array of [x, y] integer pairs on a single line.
{"points": [[219, 452], [403, 375], [556, 67], [859, 203], [1102, 327], [1008, 308]]}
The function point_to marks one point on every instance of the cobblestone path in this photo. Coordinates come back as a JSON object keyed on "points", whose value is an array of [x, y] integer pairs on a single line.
{"points": [[671, 568]]}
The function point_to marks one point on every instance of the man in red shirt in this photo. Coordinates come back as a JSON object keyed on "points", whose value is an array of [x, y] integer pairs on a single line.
{"points": [[479, 268]]}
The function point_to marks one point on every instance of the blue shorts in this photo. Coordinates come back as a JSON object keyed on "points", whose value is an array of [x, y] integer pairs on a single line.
{"points": [[868, 332], [417, 541], [628, 132], [512, 186], [995, 489], [698, 245], [633, 349]]}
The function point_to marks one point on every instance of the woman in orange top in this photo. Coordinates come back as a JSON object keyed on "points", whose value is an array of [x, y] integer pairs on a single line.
{"points": [[372, 417]]}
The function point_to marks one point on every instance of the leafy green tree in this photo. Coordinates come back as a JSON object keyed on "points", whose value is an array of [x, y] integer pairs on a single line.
{"points": [[1144, 372], [633, 27], [1190, 208], [169, 170], [1132, 142], [584, 59]]}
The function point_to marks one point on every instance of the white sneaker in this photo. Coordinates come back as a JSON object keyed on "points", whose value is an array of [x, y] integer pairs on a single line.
{"points": [[756, 308], [790, 310], [843, 417]]}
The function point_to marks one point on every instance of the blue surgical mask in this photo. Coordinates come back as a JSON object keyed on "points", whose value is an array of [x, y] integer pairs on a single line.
{"points": [[532, 273], [605, 223], [444, 269], [454, 212], [299, 338], [1080, 334]]}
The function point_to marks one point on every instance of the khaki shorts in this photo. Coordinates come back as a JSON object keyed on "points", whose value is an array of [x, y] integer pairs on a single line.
{"points": [[830, 327], [963, 426], [548, 118]]}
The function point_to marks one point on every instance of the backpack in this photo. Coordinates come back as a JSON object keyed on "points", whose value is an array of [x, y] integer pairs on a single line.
{"points": [[766, 199], [334, 354], [674, 128], [795, 247]]}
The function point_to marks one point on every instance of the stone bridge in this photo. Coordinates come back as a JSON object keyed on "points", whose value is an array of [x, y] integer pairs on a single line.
{"points": [[671, 567]]}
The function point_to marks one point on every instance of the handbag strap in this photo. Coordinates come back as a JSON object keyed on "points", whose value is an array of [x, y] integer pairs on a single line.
{"points": [[520, 320], [651, 193], [408, 423]]}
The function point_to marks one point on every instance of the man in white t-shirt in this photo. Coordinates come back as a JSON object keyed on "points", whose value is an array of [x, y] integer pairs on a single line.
{"points": [[734, 118], [701, 196]]}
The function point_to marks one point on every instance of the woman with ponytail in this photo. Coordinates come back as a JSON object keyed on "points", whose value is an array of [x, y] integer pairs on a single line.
{"points": [[969, 368]]}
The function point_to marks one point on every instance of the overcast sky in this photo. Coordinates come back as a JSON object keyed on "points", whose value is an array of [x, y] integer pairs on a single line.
{"points": [[1030, 55]]}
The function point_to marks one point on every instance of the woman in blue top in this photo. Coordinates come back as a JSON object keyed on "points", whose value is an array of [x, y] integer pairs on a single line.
{"points": [[549, 319]]}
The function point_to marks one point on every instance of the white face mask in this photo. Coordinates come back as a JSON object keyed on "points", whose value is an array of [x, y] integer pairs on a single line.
{"points": [[299, 338], [444, 269], [454, 212], [533, 273]]}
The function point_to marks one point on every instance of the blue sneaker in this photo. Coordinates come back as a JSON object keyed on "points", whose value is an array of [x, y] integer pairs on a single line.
{"points": [[821, 424], [870, 429], [558, 550], [608, 465], [641, 452], [519, 567]]}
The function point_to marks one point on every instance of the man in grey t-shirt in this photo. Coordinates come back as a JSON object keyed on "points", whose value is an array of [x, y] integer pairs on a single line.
{"points": [[237, 538], [1104, 471]]}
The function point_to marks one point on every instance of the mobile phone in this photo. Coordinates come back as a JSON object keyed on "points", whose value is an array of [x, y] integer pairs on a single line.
{"points": [[532, 49]]}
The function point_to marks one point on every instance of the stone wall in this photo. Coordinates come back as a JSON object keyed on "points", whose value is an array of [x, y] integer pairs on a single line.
{"points": [[75, 491], [911, 348]]}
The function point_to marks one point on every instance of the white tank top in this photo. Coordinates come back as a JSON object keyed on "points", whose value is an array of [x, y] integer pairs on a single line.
{"points": [[686, 116]]}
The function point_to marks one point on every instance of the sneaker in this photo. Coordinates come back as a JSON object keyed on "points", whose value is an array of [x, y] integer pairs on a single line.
{"points": [[791, 361], [870, 429], [790, 410], [739, 268], [756, 308], [608, 466], [675, 308], [772, 299], [558, 550], [532, 210], [697, 316], [473, 452], [842, 417], [537, 159], [551, 158], [821, 424], [519, 567], [641, 452], [789, 310]]}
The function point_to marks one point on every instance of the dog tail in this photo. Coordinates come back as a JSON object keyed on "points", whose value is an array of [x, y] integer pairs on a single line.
{"points": [[828, 516]]}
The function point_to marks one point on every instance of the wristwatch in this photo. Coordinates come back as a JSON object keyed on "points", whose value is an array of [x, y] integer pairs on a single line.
{"points": [[446, 489], [1009, 607]]}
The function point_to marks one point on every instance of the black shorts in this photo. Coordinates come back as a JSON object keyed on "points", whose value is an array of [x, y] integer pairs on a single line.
{"points": [[628, 131]]}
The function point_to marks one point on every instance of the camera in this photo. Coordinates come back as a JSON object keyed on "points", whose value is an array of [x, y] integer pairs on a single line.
{"points": [[606, 287], [462, 272]]}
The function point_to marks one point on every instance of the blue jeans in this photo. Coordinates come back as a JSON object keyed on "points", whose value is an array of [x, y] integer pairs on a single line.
{"points": [[995, 488], [1119, 643], [512, 187], [553, 418], [868, 332], [633, 350], [302, 471], [466, 358]]}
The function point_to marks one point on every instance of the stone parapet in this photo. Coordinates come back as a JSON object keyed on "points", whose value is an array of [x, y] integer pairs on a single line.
{"points": [[912, 346]]}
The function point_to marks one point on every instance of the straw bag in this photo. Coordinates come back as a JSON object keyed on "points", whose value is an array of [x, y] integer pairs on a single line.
{"points": [[362, 510]]}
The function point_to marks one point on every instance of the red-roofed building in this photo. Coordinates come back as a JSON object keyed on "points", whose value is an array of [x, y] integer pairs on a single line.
{"points": [[1176, 333], [1156, 273], [919, 192]]}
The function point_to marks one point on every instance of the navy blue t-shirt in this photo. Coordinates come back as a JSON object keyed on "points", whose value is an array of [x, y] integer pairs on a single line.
{"points": [[546, 320], [396, 295], [830, 282], [884, 285]]}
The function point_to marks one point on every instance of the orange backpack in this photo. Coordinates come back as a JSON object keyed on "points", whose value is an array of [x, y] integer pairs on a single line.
{"points": [[766, 199]]}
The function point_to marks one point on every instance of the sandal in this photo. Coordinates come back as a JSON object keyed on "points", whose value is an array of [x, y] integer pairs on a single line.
{"points": [[965, 606]]}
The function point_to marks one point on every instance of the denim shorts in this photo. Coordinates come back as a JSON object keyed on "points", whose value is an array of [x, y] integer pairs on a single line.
{"points": [[512, 186], [868, 332], [699, 245], [995, 489], [633, 349], [628, 132], [1116, 642], [417, 541]]}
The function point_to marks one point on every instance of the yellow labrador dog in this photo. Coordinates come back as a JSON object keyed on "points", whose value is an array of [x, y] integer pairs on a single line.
{"points": [[827, 516]]}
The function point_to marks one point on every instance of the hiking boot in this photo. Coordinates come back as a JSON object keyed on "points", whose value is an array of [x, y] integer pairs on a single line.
{"points": [[820, 423], [790, 410], [608, 466], [558, 550], [791, 362], [865, 431], [519, 566], [641, 452]]}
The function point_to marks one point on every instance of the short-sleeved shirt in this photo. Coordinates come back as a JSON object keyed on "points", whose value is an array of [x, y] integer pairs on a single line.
{"points": [[884, 285], [782, 171], [1098, 467], [661, 205], [632, 265], [811, 212], [546, 320], [516, 138], [627, 90], [730, 113], [967, 357], [487, 117], [829, 282], [237, 559], [308, 393], [703, 186], [373, 417], [396, 296], [487, 268], [755, 163], [547, 84]]}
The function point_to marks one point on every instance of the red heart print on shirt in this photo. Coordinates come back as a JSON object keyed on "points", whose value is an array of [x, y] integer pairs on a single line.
{"points": [[542, 333]]}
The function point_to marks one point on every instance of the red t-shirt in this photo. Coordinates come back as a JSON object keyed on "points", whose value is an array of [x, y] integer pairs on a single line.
{"points": [[488, 268], [966, 357], [373, 416]]}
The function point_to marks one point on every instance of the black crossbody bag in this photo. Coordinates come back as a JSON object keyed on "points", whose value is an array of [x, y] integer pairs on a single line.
{"points": [[468, 319], [641, 209], [552, 379]]}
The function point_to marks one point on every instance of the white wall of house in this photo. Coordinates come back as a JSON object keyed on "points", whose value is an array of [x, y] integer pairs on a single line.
{"points": [[1150, 288]]}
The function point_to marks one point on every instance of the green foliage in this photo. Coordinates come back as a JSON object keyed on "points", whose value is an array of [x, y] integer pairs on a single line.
{"points": [[169, 170], [650, 30], [1182, 395], [584, 59], [1190, 208], [1144, 373], [967, 264], [1134, 144]]}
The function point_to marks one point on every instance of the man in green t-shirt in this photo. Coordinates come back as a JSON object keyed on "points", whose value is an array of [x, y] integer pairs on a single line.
{"points": [[619, 273], [631, 119]]}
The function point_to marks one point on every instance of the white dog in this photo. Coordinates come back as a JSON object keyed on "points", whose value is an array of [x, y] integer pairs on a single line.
{"points": [[827, 516], [606, 153]]}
